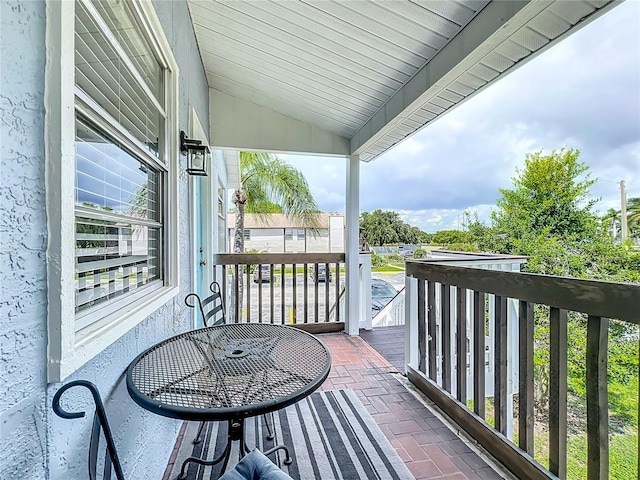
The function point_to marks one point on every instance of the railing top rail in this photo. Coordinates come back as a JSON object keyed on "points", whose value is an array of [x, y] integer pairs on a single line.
{"points": [[276, 258], [477, 259], [455, 255], [599, 298]]}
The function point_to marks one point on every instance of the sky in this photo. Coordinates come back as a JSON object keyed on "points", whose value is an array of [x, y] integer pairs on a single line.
{"points": [[583, 93]]}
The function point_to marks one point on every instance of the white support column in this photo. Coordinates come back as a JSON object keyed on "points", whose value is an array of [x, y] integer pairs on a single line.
{"points": [[352, 249], [411, 322], [365, 290]]}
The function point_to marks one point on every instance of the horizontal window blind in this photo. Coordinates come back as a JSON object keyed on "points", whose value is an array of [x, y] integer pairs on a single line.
{"points": [[111, 179], [130, 91], [114, 258]]}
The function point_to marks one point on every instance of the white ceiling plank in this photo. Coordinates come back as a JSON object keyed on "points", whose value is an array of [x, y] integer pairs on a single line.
{"points": [[242, 125]]}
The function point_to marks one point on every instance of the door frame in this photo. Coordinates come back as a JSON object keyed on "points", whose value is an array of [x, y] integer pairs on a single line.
{"points": [[201, 227]]}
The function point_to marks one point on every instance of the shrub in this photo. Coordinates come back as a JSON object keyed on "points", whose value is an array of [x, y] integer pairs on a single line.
{"points": [[420, 253], [377, 260]]}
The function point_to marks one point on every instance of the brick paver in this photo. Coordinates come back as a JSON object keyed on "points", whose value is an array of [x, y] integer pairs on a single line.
{"points": [[429, 448]]}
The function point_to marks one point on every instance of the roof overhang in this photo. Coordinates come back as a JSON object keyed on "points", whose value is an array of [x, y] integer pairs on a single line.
{"points": [[356, 78]]}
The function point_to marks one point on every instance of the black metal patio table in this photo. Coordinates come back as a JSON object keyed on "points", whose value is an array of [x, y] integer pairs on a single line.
{"points": [[228, 372]]}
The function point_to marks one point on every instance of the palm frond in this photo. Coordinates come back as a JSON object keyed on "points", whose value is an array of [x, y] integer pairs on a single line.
{"points": [[267, 180]]}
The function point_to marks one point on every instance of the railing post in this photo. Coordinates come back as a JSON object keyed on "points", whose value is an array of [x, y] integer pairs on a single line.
{"points": [[365, 290], [411, 322]]}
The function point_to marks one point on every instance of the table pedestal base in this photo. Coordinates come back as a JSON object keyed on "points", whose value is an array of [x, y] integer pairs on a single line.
{"points": [[235, 434]]}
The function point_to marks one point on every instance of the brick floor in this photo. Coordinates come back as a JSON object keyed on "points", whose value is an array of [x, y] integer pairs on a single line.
{"points": [[429, 448]]}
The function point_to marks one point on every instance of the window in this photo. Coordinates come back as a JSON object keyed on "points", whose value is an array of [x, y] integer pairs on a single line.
{"points": [[247, 234], [221, 202], [288, 234], [120, 200], [301, 234]]}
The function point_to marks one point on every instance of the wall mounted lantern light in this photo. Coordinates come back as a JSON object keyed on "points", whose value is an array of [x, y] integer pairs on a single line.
{"points": [[198, 155]]}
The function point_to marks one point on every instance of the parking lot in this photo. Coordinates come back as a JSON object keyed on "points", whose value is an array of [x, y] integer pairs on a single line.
{"points": [[266, 300]]}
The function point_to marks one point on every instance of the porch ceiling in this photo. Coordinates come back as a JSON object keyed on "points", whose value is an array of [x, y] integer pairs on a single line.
{"points": [[362, 75]]}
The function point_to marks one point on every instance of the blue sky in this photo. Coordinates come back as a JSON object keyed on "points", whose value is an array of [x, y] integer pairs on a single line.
{"points": [[583, 93]]}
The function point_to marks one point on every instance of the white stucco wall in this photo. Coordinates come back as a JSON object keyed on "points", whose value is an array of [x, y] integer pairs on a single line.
{"points": [[34, 442]]}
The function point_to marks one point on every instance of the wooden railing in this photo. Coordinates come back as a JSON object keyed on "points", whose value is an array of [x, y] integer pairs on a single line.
{"points": [[293, 289], [442, 300]]}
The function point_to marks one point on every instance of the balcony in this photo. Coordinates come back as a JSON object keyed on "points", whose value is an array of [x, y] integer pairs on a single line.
{"points": [[491, 401]]}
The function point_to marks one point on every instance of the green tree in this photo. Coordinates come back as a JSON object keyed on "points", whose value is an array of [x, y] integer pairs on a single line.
{"points": [[269, 185], [448, 237], [382, 227], [549, 198]]}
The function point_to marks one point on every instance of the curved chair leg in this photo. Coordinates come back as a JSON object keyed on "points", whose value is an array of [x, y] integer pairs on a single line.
{"points": [[287, 460], [270, 435], [198, 438]]}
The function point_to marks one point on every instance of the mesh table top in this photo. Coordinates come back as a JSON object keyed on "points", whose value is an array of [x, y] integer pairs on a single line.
{"points": [[228, 371]]}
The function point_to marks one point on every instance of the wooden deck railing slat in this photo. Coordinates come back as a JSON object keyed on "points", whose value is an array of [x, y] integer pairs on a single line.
{"points": [[445, 328], [422, 329], [558, 392], [500, 362], [271, 294], [283, 305], [461, 345], [294, 277], [305, 272], [432, 333], [326, 291], [479, 368], [525, 378], [597, 399]]}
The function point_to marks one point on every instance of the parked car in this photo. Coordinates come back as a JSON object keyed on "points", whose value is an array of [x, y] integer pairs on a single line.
{"points": [[382, 292], [266, 273], [321, 274]]}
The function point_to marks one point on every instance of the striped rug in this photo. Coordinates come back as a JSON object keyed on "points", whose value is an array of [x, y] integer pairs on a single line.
{"points": [[330, 435]]}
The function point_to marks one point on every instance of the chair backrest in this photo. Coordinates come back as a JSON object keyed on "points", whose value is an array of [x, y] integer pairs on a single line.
{"points": [[211, 308], [100, 422]]}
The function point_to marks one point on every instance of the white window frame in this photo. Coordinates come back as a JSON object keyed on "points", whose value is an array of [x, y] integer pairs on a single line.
{"points": [[69, 349]]}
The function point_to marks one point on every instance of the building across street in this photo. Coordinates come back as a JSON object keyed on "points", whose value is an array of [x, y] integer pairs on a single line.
{"points": [[276, 233]]}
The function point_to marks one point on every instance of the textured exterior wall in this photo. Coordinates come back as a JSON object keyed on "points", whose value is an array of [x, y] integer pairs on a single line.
{"points": [[23, 311], [34, 442]]}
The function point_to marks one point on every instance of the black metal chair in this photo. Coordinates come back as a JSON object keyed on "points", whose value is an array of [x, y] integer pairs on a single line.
{"points": [[100, 422], [212, 307], [112, 462]]}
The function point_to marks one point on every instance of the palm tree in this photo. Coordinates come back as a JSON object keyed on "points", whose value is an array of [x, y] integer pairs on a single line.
{"points": [[268, 184], [265, 181], [633, 215]]}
